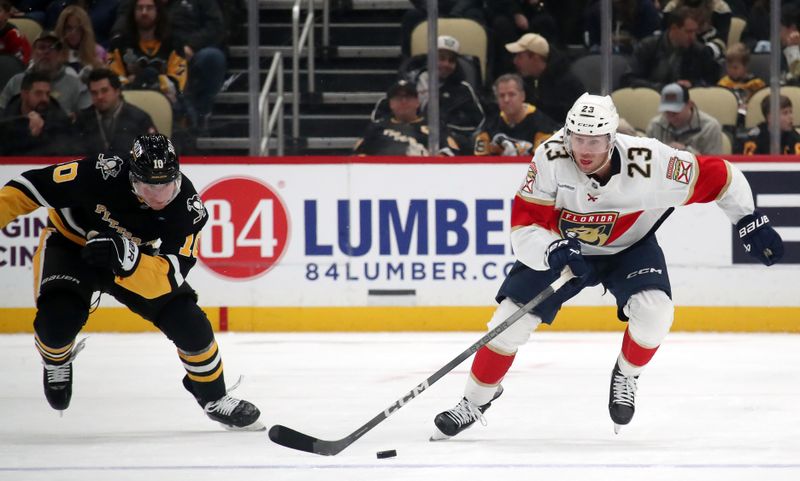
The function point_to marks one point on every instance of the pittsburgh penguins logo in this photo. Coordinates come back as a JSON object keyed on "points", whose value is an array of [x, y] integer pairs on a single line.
{"points": [[108, 166], [194, 204]]}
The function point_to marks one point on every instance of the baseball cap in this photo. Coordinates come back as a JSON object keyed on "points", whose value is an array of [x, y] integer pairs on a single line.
{"points": [[531, 42], [401, 86], [673, 98], [48, 35], [446, 42]]}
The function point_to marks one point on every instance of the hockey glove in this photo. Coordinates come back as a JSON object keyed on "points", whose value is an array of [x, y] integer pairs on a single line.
{"points": [[111, 250], [760, 240], [567, 252]]}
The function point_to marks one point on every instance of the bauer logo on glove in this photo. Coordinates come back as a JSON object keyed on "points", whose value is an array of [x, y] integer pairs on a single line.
{"points": [[759, 239], [111, 250]]}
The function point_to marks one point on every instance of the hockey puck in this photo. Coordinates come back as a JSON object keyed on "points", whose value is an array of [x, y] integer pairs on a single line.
{"points": [[387, 454]]}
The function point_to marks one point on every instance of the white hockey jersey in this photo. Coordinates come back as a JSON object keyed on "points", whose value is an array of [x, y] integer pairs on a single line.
{"points": [[556, 198]]}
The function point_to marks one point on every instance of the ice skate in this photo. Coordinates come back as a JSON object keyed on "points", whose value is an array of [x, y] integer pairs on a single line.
{"points": [[449, 423], [57, 380], [234, 414], [621, 398]]}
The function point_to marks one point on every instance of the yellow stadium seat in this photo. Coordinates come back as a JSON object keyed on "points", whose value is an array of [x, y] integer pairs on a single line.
{"points": [[155, 104], [29, 27], [469, 33], [718, 102], [754, 115], [637, 105]]}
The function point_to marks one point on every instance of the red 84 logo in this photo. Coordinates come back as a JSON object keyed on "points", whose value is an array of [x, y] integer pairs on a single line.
{"points": [[247, 230]]}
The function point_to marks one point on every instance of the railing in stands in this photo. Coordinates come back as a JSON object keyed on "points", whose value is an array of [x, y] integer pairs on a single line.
{"points": [[268, 119], [300, 41]]}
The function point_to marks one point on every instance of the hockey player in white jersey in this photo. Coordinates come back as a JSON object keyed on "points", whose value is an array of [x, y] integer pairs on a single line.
{"points": [[592, 200]]}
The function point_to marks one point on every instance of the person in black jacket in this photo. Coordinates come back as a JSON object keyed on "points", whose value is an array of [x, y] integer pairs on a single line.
{"points": [[549, 85], [110, 125], [673, 56], [33, 123], [758, 138]]}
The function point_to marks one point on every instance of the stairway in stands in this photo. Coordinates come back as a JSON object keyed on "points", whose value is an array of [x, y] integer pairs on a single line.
{"points": [[361, 64]]}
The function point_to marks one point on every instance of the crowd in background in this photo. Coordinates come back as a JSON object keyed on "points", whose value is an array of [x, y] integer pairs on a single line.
{"points": [[68, 95]]}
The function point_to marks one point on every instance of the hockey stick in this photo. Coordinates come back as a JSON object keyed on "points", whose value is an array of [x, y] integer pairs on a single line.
{"points": [[290, 438]]}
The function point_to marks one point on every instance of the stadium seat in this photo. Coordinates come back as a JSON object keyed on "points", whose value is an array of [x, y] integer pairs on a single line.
{"points": [[469, 33], [759, 66], [718, 102], [754, 115], [727, 145], [587, 69], [155, 104], [736, 29], [9, 66], [637, 105], [29, 27]]}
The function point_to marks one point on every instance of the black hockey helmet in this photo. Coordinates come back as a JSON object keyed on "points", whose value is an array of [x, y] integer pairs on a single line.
{"points": [[153, 160]]}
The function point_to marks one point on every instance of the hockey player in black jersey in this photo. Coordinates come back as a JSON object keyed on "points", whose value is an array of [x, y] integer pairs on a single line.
{"points": [[128, 228]]}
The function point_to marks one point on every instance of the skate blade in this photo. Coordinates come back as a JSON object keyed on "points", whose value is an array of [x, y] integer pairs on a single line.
{"points": [[617, 428], [256, 426], [437, 435]]}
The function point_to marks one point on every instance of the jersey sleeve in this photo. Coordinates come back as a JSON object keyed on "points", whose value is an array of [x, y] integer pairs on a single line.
{"points": [[533, 213], [53, 186]]}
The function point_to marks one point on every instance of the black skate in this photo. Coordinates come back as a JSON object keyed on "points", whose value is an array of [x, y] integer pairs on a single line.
{"points": [[234, 414], [57, 380], [621, 398], [449, 423]]}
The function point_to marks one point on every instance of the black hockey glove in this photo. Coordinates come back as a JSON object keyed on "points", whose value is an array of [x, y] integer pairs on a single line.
{"points": [[112, 251], [760, 240], [567, 252]]}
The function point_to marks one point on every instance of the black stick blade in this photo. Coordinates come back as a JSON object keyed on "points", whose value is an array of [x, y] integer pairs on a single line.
{"points": [[292, 439]]}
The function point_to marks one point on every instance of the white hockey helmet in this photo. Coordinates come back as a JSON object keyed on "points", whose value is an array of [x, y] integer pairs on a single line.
{"points": [[592, 115]]}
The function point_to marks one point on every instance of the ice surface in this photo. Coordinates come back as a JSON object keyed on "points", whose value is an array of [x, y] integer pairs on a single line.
{"points": [[710, 407]]}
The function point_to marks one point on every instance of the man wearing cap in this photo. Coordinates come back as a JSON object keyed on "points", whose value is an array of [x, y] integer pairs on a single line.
{"points": [[49, 57], [684, 126], [459, 107], [549, 85], [405, 132]]}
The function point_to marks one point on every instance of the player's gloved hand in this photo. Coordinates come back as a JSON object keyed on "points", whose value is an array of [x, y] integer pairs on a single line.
{"points": [[567, 252], [760, 240], [112, 251]]}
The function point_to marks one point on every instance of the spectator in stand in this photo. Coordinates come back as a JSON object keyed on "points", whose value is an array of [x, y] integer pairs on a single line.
{"points": [[405, 132], [790, 42], [32, 123], [758, 139], [714, 22], [738, 79], [198, 33], [12, 41], [110, 125], [509, 19], [684, 126], [74, 29], [632, 21], [459, 107], [673, 56], [472, 9], [48, 57], [143, 55], [519, 127], [549, 85]]}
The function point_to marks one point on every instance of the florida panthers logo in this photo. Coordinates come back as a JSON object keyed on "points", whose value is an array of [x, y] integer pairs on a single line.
{"points": [[594, 228]]}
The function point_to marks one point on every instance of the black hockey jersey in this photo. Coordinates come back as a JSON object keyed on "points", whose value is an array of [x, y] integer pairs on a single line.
{"points": [[535, 128], [95, 194], [757, 141], [391, 137]]}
